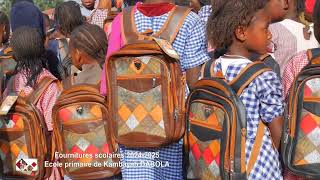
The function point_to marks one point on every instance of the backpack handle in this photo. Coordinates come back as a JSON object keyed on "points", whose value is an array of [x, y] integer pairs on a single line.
{"points": [[168, 31]]}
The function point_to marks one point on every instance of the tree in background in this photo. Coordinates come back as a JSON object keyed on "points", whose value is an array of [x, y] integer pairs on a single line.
{"points": [[5, 5]]}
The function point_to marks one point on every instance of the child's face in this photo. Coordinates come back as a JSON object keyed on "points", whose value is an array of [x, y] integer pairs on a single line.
{"points": [[257, 33], [277, 9], [88, 3]]}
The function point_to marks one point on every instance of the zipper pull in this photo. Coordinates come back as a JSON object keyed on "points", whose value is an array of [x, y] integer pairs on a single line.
{"points": [[286, 136], [153, 82]]}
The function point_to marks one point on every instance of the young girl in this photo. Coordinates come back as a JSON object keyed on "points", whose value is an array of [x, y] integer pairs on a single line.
{"points": [[247, 23], [67, 17], [88, 47], [28, 50]]}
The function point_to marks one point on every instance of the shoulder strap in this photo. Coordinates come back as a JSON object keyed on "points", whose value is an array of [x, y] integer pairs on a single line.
{"points": [[264, 57], [128, 27], [39, 89], [314, 55], [247, 75], [168, 32], [206, 69], [256, 146], [174, 23]]}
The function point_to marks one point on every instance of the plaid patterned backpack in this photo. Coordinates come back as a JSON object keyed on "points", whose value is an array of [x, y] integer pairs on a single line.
{"points": [[146, 86], [300, 143], [24, 140], [81, 129], [216, 121]]}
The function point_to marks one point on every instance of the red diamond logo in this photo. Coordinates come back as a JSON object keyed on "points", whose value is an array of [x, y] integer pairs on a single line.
{"points": [[18, 164], [34, 164]]}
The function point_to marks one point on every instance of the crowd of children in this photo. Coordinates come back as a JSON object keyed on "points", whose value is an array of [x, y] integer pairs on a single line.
{"points": [[71, 50]]}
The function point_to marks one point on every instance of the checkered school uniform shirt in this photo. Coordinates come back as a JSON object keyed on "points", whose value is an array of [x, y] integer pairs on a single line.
{"points": [[205, 12], [292, 69], [191, 46], [263, 100]]}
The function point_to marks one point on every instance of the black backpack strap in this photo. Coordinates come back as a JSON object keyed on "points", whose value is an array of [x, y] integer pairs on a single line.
{"points": [[247, 75], [206, 69]]}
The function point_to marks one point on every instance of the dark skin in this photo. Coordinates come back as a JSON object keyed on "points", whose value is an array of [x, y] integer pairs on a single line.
{"points": [[292, 12], [195, 5], [89, 4], [277, 9], [193, 73], [255, 38]]}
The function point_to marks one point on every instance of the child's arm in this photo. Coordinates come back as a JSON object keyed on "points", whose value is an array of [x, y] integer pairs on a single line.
{"points": [[276, 130], [271, 103]]}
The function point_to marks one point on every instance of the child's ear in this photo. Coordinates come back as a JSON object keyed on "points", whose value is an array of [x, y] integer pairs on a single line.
{"points": [[241, 33]]}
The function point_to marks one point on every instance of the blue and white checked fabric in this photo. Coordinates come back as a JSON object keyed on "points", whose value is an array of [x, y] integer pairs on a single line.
{"points": [[191, 46], [263, 101], [205, 12]]}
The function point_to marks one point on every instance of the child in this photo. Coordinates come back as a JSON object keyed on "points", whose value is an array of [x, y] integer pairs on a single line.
{"points": [[300, 60], [28, 50], [290, 35], [295, 65], [88, 47], [67, 17], [248, 22], [191, 46], [87, 6]]}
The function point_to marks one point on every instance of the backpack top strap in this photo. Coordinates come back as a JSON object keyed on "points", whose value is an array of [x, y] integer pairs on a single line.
{"points": [[247, 75], [168, 31], [207, 70], [39, 89], [314, 55], [174, 23]]}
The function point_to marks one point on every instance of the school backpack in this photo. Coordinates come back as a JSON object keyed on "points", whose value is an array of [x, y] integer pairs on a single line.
{"points": [[7, 67], [24, 140], [300, 143], [216, 122], [82, 131], [146, 86]]}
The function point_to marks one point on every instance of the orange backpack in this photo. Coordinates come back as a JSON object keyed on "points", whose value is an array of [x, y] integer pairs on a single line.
{"points": [[146, 87], [24, 140], [82, 130]]}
